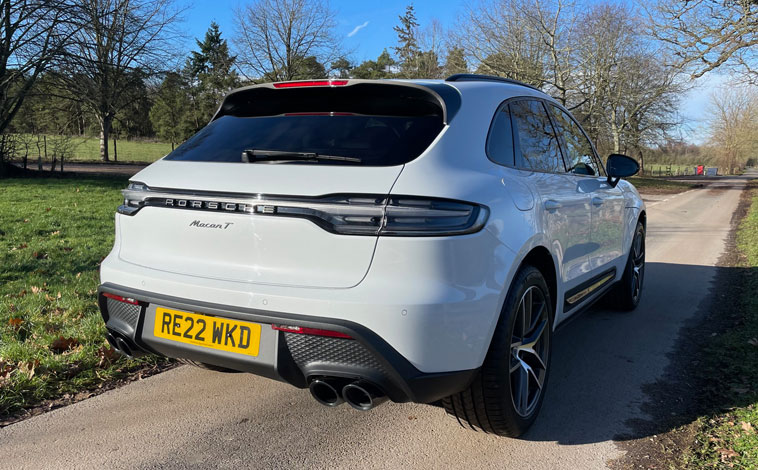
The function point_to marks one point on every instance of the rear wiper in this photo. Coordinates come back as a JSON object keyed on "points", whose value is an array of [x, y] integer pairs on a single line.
{"points": [[255, 155]]}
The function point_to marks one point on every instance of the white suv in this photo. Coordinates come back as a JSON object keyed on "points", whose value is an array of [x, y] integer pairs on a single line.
{"points": [[369, 239]]}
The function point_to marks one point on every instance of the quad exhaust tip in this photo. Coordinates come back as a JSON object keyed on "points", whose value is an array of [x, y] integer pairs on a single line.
{"points": [[363, 395], [326, 392], [333, 391], [121, 345]]}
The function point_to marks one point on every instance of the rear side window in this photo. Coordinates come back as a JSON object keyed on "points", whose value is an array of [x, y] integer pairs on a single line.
{"points": [[370, 124], [536, 146], [500, 140], [579, 153]]}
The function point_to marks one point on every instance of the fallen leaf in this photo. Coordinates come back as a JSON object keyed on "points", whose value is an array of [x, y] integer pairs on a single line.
{"points": [[40, 255], [57, 232], [15, 322], [26, 221], [747, 427], [12, 307], [21, 294], [67, 248], [107, 355], [59, 294], [62, 344], [28, 367], [78, 275], [48, 209], [5, 369], [727, 454], [22, 246], [36, 290], [753, 342]]}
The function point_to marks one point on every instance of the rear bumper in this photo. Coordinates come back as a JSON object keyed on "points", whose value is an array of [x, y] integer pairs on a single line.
{"points": [[295, 358]]}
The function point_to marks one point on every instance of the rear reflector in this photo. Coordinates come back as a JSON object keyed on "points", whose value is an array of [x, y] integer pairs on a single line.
{"points": [[310, 331], [127, 300], [310, 83]]}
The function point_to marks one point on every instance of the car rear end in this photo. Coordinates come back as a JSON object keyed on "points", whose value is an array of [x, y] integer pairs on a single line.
{"points": [[273, 242]]}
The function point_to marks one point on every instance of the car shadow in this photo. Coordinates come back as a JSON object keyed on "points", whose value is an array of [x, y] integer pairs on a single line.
{"points": [[601, 358]]}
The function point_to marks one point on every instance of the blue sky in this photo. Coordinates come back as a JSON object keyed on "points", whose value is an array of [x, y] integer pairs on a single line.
{"points": [[366, 43], [366, 28]]}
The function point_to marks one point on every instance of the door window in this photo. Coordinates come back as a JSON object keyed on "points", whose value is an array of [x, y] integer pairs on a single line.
{"points": [[579, 153], [536, 146]]}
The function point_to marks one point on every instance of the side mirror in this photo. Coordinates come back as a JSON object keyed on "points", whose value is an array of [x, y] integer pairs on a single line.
{"points": [[620, 166]]}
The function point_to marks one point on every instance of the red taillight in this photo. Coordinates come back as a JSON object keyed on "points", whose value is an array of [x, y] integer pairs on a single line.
{"points": [[127, 300], [310, 331], [310, 83]]}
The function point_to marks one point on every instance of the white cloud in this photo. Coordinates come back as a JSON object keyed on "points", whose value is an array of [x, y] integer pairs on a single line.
{"points": [[356, 29]]}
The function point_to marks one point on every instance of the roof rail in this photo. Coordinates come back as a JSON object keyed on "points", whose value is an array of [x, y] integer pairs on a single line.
{"points": [[470, 77]]}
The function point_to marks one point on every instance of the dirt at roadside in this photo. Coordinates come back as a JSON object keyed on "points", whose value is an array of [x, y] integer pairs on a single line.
{"points": [[675, 402]]}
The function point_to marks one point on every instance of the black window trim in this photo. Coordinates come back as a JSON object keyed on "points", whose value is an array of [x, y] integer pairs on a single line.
{"points": [[514, 142], [595, 157]]}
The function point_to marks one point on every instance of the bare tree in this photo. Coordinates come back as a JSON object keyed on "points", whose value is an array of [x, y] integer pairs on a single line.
{"points": [[279, 39], [32, 34], [500, 39], [628, 92], [120, 44], [708, 34], [734, 125]]}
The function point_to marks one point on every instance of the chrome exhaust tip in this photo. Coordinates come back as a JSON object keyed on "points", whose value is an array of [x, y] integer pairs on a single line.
{"points": [[363, 396], [325, 391]]}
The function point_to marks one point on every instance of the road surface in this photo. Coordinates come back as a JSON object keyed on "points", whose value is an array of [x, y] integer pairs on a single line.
{"points": [[190, 418]]}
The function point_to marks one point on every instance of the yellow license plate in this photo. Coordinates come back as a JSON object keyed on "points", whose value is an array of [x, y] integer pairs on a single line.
{"points": [[211, 332]]}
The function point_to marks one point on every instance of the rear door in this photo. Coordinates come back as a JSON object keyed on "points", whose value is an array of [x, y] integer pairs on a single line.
{"points": [[607, 201], [566, 207]]}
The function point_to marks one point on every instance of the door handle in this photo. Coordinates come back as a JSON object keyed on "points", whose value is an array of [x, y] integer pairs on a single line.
{"points": [[597, 201], [552, 205]]}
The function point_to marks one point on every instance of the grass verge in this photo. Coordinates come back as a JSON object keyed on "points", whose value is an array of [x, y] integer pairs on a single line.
{"points": [[53, 235], [661, 186], [728, 438]]}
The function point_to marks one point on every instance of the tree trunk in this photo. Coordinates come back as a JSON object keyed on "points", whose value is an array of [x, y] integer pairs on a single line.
{"points": [[115, 151], [105, 130]]}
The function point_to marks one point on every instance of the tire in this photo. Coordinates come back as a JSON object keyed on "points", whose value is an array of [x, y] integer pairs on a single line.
{"points": [[489, 403], [203, 365], [627, 294]]}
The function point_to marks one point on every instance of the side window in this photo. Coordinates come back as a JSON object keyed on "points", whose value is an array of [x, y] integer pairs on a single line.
{"points": [[579, 154], [536, 145], [500, 140]]}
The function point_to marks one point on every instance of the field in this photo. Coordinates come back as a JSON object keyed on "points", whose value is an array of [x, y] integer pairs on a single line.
{"points": [[53, 235], [661, 186], [87, 149]]}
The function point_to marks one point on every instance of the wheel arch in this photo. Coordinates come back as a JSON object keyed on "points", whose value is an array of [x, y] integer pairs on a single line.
{"points": [[540, 258]]}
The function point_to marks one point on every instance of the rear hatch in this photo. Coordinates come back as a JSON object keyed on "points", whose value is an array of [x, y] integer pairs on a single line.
{"points": [[286, 186]]}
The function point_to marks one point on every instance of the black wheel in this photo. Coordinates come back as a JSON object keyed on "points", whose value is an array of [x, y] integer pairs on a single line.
{"points": [[507, 393], [205, 366], [628, 292]]}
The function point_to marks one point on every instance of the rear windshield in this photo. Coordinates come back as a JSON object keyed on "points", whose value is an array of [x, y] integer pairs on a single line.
{"points": [[375, 140], [379, 124]]}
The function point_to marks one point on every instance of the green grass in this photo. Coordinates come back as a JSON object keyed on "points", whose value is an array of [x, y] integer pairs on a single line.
{"points": [[87, 149], [53, 235], [729, 439], [661, 186]]}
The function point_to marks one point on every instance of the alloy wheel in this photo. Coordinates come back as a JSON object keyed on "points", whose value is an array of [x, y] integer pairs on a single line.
{"points": [[529, 351]]}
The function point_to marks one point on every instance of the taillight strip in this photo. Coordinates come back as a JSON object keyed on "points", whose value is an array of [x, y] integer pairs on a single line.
{"points": [[346, 214], [310, 331]]}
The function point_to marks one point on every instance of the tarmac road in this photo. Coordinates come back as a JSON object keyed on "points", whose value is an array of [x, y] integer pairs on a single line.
{"points": [[190, 418]]}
